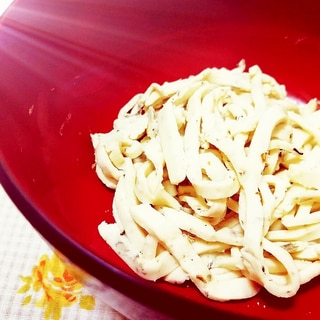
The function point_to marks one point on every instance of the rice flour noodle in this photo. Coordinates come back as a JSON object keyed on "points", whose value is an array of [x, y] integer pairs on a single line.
{"points": [[217, 181]]}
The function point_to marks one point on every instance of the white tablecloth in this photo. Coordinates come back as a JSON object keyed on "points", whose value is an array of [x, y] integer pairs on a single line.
{"points": [[34, 284]]}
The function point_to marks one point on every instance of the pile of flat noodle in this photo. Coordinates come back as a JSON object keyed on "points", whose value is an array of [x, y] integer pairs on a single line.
{"points": [[217, 181]]}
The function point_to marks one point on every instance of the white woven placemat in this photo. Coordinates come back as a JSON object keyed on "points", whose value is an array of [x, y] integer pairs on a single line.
{"points": [[34, 284]]}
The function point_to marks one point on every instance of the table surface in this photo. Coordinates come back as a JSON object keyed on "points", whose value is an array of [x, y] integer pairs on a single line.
{"points": [[34, 283]]}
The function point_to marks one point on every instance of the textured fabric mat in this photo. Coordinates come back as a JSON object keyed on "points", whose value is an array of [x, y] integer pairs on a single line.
{"points": [[34, 283]]}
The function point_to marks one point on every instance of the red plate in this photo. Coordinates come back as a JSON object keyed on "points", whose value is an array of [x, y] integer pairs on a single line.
{"points": [[66, 69]]}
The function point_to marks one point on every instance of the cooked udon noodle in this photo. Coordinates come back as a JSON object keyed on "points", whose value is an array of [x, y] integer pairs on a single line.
{"points": [[217, 181]]}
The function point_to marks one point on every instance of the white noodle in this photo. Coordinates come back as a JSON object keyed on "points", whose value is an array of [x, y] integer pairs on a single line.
{"points": [[217, 180]]}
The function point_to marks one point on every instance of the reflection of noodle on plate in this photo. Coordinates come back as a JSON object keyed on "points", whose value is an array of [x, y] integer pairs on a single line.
{"points": [[217, 181]]}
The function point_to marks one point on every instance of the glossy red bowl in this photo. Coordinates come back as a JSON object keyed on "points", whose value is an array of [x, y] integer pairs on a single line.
{"points": [[66, 68]]}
